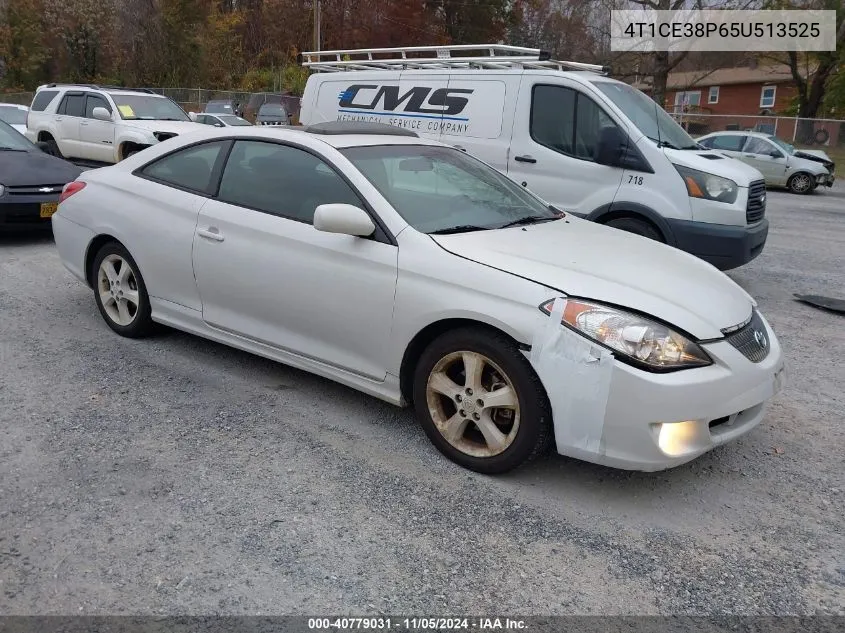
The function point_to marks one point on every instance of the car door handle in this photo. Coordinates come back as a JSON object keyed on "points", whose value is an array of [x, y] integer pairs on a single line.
{"points": [[83, 123], [525, 159], [212, 233], [750, 155]]}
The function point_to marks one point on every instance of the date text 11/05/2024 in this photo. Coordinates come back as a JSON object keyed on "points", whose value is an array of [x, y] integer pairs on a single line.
{"points": [[416, 624]]}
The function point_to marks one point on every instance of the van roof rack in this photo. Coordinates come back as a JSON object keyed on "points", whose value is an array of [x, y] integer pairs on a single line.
{"points": [[478, 56], [332, 128]]}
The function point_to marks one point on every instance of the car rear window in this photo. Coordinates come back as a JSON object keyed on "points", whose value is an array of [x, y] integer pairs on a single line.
{"points": [[43, 99]]}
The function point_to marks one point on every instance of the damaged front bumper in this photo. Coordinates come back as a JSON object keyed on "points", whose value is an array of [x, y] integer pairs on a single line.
{"points": [[656, 421]]}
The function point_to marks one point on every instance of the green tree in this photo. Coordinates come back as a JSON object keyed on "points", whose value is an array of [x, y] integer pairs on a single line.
{"points": [[22, 46]]}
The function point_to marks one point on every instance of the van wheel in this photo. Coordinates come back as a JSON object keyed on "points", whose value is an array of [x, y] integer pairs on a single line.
{"points": [[639, 227], [800, 183]]}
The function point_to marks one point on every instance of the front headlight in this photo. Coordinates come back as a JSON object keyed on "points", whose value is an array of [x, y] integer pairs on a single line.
{"points": [[637, 340], [708, 186], [2, 190]]}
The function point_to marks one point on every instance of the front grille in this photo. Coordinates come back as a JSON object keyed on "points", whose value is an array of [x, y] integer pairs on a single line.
{"points": [[34, 190], [751, 339], [755, 210]]}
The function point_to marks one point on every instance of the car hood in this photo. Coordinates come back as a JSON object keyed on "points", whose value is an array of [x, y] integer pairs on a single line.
{"points": [[33, 168], [174, 127], [588, 260], [813, 165], [809, 153], [725, 166]]}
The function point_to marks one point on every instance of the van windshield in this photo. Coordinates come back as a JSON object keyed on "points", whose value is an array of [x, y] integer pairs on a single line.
{"points": [[650, 119]]}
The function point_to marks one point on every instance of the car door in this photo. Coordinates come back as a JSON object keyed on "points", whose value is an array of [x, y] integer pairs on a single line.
{"points": [[69, 115], [555, 139], [766, 157], [264, 272], [96, 137]]}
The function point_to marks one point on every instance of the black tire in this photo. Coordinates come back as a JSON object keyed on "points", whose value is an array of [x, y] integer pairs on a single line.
{"points": [[534, 432], [801, 183], [638, 227], [141, 324], [53, 148]]}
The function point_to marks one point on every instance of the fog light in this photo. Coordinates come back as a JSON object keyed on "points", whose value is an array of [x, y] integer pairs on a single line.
{"points": [[677, 438]]}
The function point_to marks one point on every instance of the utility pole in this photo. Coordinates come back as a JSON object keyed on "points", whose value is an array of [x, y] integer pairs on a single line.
{"points": [[316, 25]]}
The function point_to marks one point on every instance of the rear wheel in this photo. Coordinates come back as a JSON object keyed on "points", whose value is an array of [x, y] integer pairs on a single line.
{"points": [[639, 227], [120, 292], [801, 183], [480, 402]]}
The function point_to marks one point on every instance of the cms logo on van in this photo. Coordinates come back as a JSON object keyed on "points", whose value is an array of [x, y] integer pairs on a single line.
{"points": [[419, 99]]}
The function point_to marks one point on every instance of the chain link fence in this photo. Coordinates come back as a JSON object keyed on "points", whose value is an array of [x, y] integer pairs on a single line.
{"points": [[806, 133], [195, 99]]}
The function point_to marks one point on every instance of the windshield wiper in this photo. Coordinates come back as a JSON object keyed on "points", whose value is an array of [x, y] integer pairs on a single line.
{"points": [[463, 228], [11, 149], [531, 219], [667, 144]]}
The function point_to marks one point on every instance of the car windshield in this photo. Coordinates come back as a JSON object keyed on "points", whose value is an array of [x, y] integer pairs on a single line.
{"points": [[231, 119], [218, 106], [12, 116], [443, 190], [650, 119], [11, 139], [272, 109], [786, 147], [133, 107]]}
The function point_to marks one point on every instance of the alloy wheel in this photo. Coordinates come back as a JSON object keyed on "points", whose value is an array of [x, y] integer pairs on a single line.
{"points": [[473, 404], [117, 286]]}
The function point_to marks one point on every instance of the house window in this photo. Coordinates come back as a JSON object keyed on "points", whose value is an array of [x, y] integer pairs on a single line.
{"points": [[767, 97], [713, 95], [684, 100]]}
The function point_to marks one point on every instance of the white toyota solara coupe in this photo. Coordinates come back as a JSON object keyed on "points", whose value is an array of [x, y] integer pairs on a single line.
{"points": [[413, 272]]}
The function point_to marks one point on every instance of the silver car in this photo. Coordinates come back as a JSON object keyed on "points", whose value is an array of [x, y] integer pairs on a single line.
{"points": [[781, 164]]}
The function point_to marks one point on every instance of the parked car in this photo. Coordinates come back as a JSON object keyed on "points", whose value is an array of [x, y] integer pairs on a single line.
{"points": [[224, 106], [411, 271], [272, 114], [219, 120], [781, 164], [30, 181], [257, 99], [590, 145], [14, 115], [102, 124]]}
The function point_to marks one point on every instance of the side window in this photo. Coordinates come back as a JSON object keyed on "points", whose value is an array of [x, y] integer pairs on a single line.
{"points": [[729, 142], [95, 101], [42, 100], [73, 105], [567, 121], [757, 145], [553, 117], [201, 118], [189, 168], [281, 180], [707, 142]]}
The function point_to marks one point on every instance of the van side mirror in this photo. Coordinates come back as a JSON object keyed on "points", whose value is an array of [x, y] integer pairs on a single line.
{"points": [[611, 147], [346, 219]]}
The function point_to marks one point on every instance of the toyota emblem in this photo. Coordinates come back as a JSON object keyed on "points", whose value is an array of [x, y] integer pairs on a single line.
{"points": [[761, 339]]}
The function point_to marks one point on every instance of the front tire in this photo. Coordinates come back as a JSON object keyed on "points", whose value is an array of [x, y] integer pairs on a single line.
{"points": [[120, 292], [638, 227], [53, 148], [480, 402], [801, 183]]}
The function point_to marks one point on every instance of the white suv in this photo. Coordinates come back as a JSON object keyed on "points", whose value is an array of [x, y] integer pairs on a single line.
{"points": [[103, 124]]}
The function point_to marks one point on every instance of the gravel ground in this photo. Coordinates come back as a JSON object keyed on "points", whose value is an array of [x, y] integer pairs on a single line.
{"points": [[177, 476]]}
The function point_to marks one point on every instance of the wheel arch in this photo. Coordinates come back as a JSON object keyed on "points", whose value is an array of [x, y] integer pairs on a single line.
{"points": [[94, 247], [429, 333], [637, 211]]}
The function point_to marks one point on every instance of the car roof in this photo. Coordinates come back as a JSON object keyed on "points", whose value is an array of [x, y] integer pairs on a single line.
{"points": [[338, 141], [743, 132], [13, 105]]}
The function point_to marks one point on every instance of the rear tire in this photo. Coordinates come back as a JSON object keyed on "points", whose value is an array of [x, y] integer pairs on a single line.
{"points": [[801, 183], [120, 293], [464, 423], [638, 227]]}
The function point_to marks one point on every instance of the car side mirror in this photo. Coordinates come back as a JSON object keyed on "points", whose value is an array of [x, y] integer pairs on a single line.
{"points": [[611, 147], [101, 114], [192, 116], [775, 154], [345, 219]]}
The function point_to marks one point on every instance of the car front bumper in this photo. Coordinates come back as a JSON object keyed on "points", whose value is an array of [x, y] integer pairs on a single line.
{"points": [[724, 246], [657, 421], [23, 212], [825, 180]]}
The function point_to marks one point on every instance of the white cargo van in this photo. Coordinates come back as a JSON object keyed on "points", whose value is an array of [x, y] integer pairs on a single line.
{"points": [[586, 143]]}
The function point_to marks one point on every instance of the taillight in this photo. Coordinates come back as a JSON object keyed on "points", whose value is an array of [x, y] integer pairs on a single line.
{"points": [[71, 188]]}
